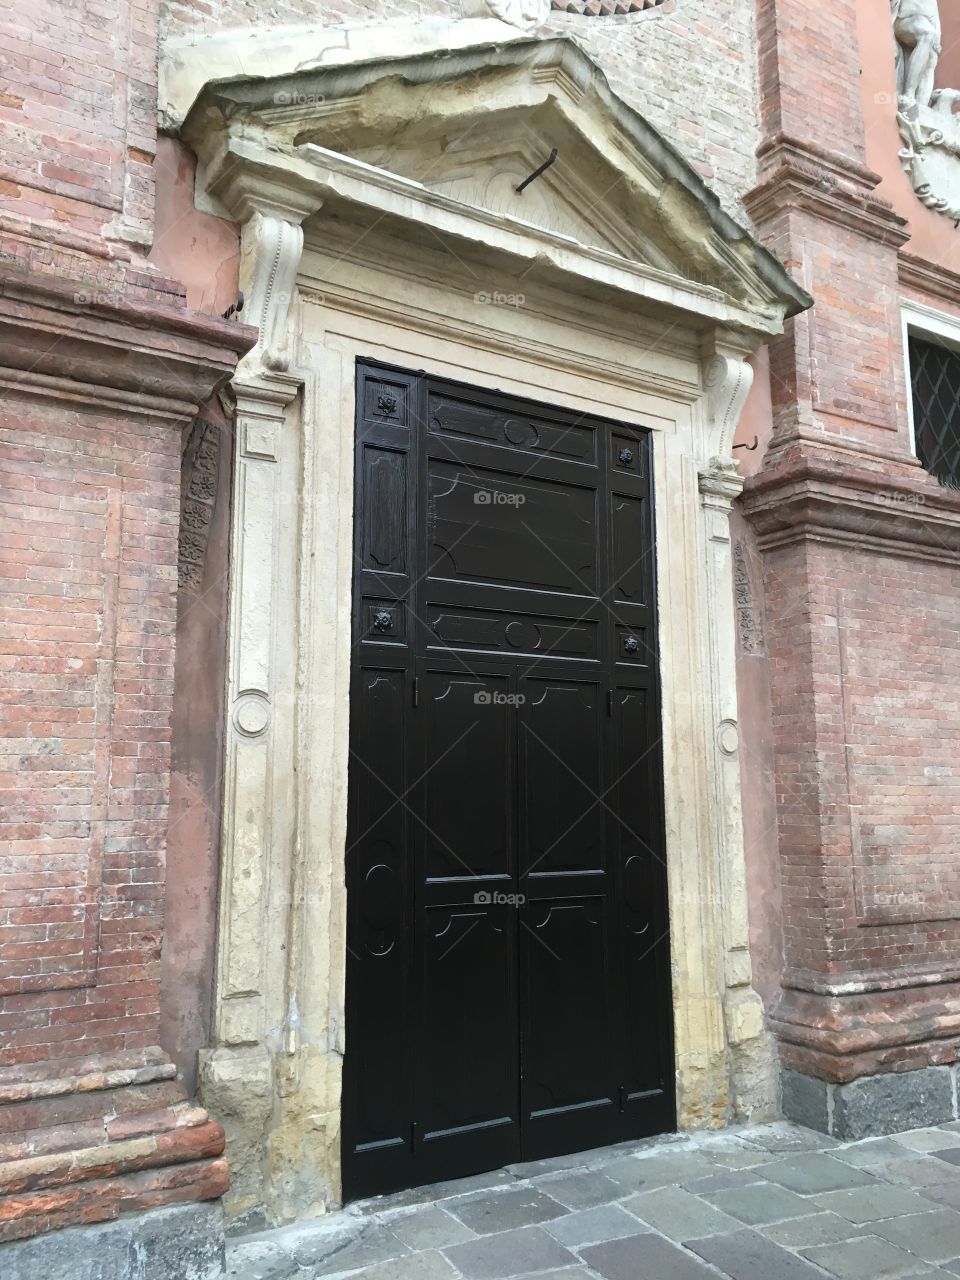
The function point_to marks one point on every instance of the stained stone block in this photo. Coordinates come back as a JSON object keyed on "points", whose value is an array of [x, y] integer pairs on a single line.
{"points": [[745, 1255], [893, 1102], [816, 1173], [377, 1244], [805, 1100], [180, 1243], [934, 1236], [430, 1228], [646, 1255], [594, 1226], [509, 1254], [679, 1215], [634, 1172], [869, 1204], [866, 1259], [580, 1190], [504, 1210], [819, 1228], [423, 1266], [761, 1204]]}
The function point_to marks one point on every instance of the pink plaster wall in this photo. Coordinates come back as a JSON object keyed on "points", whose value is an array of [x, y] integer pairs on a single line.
{"points": [[203, 252]]}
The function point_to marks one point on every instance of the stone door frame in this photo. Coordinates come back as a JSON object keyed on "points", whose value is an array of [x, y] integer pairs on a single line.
{"points": [[600, 332]]}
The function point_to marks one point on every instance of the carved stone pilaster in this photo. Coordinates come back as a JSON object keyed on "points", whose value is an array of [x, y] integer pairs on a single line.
{"points": [[727, 382], [238, 1071]]}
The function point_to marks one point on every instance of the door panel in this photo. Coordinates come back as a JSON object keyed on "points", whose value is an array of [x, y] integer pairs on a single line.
{"points": [[508, 985]]}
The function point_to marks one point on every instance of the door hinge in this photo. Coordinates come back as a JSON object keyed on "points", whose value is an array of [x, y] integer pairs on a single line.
{"points": [[416, 691]]}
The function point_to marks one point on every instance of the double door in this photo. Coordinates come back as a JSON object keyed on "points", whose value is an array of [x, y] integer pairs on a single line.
{"points": [[508, 988]]}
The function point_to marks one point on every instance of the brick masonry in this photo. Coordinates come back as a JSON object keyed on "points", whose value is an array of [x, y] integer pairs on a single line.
{"points": [[860, 564], [102, 368]]}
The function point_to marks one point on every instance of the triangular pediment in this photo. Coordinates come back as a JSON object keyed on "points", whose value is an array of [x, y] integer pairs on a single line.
{"points": [[464, 131]]}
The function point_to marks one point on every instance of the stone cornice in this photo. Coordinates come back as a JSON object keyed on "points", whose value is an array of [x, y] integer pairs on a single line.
{"points": [[797, 175], [140, 357], [813, 494], [929, 278], [840, 1037]]}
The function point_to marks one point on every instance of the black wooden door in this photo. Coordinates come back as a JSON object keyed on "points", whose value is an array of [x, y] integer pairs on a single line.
{"points": [[508, 988]]}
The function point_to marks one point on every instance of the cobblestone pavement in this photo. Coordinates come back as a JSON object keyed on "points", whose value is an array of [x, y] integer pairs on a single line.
{"points": [[771, 1202]]}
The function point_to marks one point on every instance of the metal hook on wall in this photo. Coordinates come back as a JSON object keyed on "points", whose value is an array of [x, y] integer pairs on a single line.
{"points": [[749, 447], [537, 172]]}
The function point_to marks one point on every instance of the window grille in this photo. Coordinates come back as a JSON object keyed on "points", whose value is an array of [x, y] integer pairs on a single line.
{"points": [[935, 377]]}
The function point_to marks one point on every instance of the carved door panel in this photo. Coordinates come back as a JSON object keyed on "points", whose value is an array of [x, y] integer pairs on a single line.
{"points": [[508, 990]]}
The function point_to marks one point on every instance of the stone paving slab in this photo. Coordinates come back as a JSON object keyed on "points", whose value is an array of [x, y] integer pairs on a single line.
{"points": [[819, 1228], [747, 1255], [511, 1253], [430, 1228], [771, 1202], [870, 1204], [644, 1255], [582, 1189], [811, 1174], [867, 1259], [594, 1226], [503, 1210], [935, 1236], [678, 1215], [924, 1140], [761, 1203]]}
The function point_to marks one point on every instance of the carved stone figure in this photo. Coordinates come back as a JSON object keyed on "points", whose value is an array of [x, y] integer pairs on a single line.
{"points": [[528, 15], [928, 125], [916, 25]]}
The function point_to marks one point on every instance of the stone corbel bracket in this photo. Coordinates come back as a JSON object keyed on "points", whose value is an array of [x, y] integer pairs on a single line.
{"points": [[271, 215], [727, 379]]}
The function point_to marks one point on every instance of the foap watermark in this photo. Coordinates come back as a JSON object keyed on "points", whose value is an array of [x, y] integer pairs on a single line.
{"points": [[84, 299], [498, 498], [486, 899], [483, 698], [899, 499], [497, 298], [297, 98]]}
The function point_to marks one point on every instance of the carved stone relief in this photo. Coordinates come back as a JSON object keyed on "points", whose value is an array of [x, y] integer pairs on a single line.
{"points": [[749, 629], [928, 126], [198, 495]]}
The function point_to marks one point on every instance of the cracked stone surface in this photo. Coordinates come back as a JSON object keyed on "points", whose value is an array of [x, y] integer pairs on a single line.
{"points": [[770, 1202]]}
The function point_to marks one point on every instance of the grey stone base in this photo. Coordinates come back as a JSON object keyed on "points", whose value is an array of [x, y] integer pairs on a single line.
{"points": [[873, 1106], [184, 1242]]}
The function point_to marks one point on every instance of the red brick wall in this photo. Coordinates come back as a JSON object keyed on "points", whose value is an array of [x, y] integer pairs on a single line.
{"points": [[88, 578], [78, 113], [865, 647], [809, 64]]}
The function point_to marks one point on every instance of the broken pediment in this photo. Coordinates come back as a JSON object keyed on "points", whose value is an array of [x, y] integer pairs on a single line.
{"points": [[521, 145]]}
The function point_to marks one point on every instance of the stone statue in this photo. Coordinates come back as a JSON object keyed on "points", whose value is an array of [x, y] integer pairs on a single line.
{"points": [[916, 25], [528, 15], [928, 125]]}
